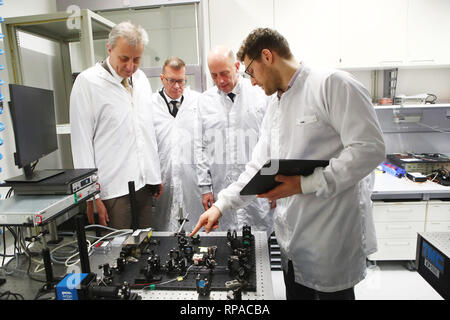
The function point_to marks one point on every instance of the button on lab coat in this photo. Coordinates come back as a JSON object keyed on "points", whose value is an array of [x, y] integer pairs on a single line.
{"points": [[175, 138], [327, 231], [113, 131], [229, 133]]}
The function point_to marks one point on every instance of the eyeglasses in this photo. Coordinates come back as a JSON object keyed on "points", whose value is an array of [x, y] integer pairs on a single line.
{"points": [[181, 82], [246, 69]]}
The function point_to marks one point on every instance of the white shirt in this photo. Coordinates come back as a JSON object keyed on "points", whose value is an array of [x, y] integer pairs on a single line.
{"points": [[169, 99], [328, 230], [113, 131]]}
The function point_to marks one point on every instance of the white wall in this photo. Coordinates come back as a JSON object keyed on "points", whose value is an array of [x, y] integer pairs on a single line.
{"points": [[229, 21], [16, 8], [39, 60]]}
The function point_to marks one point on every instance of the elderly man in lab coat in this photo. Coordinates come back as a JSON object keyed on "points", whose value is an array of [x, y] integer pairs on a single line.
{"points": [[112, 129], [175, 120], [230, 116], [323, 222]]}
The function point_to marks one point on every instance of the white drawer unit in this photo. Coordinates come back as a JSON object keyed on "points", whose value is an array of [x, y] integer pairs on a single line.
{"points": [[406, 229], [395, 249], [396, 226], [439, 226], [399, 211], [438, 211], [438, 216]]}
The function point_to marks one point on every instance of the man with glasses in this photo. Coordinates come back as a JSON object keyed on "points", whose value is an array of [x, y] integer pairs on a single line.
{"points": [[230, 116], [175, 121], [323, 222]]}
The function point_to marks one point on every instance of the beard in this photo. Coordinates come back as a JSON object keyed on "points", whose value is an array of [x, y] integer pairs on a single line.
{"points": [[271, 82]]}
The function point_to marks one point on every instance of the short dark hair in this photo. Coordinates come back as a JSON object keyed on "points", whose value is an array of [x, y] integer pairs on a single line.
{"points": [[174, 63], [264, 38]]}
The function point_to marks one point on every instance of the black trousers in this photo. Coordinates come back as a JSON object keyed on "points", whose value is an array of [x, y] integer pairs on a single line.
{"points": [[295, 291]]}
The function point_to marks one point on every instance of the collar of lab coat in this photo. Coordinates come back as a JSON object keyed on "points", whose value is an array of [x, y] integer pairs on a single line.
{"points": [[111, 76], [236, 90], [169, 98], [113, 72], [292, 81]]}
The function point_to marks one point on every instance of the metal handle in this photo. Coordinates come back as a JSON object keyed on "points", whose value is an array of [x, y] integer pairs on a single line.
{"points": [[423, 60], [398, 227], [399, 210], [397, 243], [392, 61]]}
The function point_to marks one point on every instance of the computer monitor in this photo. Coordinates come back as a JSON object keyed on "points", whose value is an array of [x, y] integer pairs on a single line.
{"points": [[33, 117]]}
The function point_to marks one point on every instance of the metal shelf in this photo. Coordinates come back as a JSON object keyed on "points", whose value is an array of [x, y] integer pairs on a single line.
{"points": [[428, 118], [63, 27]]}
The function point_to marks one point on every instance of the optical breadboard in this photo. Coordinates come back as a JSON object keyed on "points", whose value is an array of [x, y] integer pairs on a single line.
{"points": [[433, 260], [184, 284]]}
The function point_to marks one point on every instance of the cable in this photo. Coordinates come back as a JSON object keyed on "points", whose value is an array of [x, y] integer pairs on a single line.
{"points": [[147, 285], [431, 127], [433, 97], [66, 260], [7, 294], [8, 194], [121, 232], [101, 226], [33, 166], [428, 175], [4, 246]]}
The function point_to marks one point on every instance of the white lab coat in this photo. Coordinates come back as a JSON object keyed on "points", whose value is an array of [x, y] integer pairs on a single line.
{"points": [[113, 131], [327, 231], [175, 138], [229, 133]]}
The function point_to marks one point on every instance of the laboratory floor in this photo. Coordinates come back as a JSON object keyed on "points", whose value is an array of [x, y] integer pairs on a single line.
{"points": [[387, 280]]}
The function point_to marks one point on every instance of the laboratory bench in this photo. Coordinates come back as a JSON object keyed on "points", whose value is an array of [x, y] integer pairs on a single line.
{"points": [[403, 208]]}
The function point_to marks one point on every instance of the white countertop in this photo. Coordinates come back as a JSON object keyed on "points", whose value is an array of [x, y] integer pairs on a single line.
{"points": [[413, 106], [386, 183]]}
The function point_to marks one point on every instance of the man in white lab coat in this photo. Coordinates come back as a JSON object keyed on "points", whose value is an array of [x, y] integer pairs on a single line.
{"points": [[230, 116], [112, 129], [175, 120], [323, 222]]}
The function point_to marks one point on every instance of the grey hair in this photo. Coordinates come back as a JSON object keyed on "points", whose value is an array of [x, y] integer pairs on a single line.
{"points": [[134, 34]]}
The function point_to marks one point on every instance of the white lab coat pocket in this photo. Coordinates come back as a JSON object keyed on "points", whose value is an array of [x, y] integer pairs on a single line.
{"points": [[309, 132], [305, 120]]}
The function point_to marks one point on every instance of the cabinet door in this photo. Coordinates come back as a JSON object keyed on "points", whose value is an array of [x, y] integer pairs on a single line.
{"points": [[391, 230], [395, 249], [373, 33], [311, 28], [399, 211], [440, 226], [428, 32], [438, 211]]}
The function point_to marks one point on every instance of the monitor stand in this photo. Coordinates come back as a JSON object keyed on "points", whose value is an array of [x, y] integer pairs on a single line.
{"points": [[35, 176]]}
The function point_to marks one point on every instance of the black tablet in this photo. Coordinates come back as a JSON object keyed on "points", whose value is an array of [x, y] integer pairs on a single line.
{"points": [[264, 179]]}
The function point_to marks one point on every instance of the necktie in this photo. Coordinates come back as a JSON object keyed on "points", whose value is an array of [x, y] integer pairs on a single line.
{"points": [[126, 84], [231, 95], [174, 103]]}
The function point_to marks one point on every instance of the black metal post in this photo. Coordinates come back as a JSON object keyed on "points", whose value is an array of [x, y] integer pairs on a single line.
{"points": [[82, 246], [47, 266], [132, 194]]}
